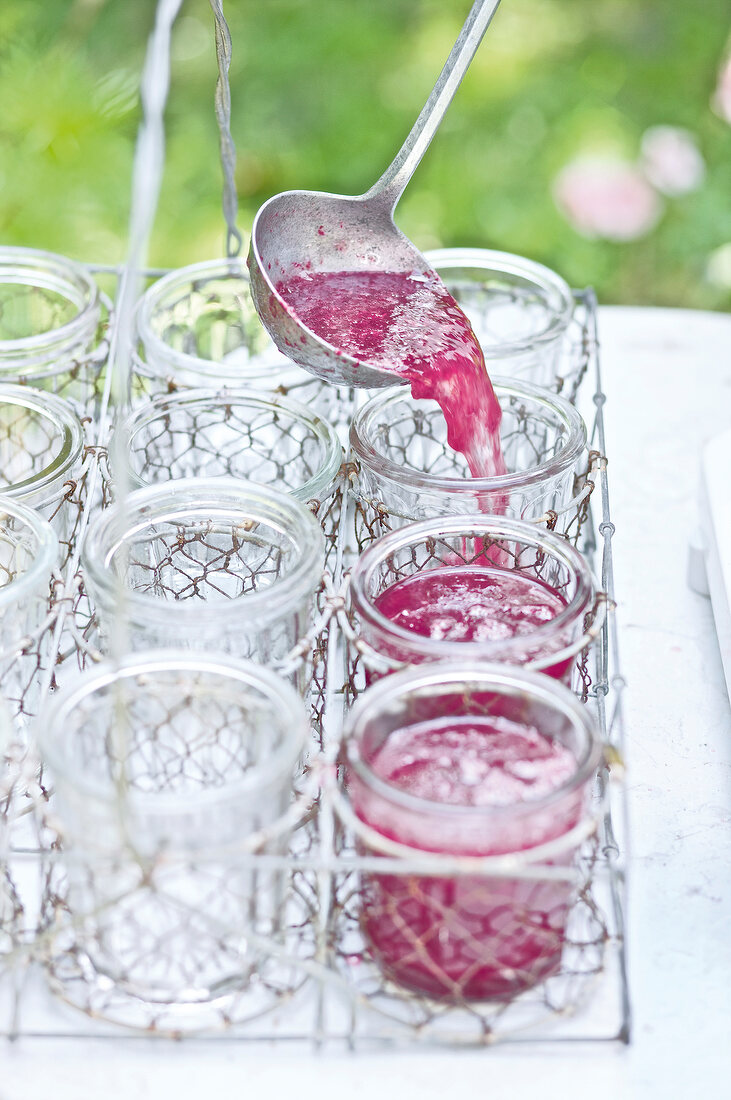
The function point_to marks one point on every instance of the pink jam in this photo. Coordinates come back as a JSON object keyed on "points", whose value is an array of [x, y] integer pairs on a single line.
{"points": [[468, 761], [471, 603], [467, 938], [409, 324]]}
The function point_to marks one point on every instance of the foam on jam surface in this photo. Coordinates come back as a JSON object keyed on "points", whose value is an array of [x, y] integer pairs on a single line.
{"points": [[411, 325], [473, 761], [470, 603]]}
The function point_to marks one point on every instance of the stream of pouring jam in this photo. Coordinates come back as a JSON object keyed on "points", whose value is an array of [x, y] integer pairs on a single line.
{"points": [[411, 325]]}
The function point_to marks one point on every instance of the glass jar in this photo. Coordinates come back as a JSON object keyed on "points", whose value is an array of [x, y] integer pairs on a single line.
{"points": [[453, 930], [41, 454], [50, 316], [407, 470], [520, 310], [165, 767], [460, 556], [265, 438], [11, 909], [6, 736], [207, 564], [197, 326], [29, 553]]}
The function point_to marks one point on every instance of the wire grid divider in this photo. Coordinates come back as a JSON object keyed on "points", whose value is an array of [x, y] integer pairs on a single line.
{"points": [[315, 979]]}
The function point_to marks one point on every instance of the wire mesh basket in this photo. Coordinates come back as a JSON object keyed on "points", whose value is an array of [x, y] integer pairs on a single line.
{"points": [[300, 962]]}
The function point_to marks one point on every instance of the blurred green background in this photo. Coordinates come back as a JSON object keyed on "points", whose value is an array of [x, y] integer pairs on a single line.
{"points": [[324, 91]]}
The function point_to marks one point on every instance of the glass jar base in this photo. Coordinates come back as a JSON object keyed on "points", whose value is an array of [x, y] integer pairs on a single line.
{"points": [[73, 977]]}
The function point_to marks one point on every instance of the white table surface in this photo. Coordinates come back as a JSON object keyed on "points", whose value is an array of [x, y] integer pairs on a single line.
{"points": [[667, 375]]}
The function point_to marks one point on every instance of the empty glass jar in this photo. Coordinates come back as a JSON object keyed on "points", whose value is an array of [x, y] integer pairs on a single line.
{"points": [[50, 315], [165, 767], [264, 438], [41, 453], [472, 588], [11, 911], [29, 553], [520, 310], [205, 563], [468, 759], [197, 326], [407, 470]]}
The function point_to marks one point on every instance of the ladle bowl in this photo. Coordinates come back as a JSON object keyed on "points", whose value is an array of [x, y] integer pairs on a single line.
{"points": [[301, 232]]}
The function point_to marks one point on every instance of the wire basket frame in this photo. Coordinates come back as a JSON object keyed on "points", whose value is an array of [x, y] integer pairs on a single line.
{"points": [[319, 975]]}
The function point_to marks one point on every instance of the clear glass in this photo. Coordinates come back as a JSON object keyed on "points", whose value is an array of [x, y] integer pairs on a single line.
{"points": [[164, 767], [6, 735], [41, 452], [210, 563], [29, 553], [264, 438], [519, 309], [197, 326], [11, 910], [469, 936], [463, 543], [50, 313], [407, 466]]}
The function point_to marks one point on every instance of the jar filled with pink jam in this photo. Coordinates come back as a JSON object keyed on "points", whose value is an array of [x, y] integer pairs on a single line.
{"points": [[469, 760], [472, 587]]}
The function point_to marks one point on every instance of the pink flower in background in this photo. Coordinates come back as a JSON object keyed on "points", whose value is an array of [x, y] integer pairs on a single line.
{"points": [[671, 160], [721, 101], [607, 197]]}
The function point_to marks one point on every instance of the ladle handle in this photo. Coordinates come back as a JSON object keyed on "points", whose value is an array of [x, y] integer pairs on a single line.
{"points": [[389, 188]]}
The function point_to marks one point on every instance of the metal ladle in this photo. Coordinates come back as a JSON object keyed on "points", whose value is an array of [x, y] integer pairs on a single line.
{"points": [[316, 231]]}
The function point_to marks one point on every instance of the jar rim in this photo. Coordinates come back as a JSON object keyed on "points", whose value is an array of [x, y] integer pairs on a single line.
{"points": [[62, 275], [318, 486], [479, 676], [507, 263], [158, 351], [284, 698], [68, 428], [361, 440], [142, 508], [479, 525], [45, 558]]}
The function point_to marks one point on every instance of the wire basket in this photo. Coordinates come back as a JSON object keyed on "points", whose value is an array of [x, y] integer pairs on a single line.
{"points": [[315, 980]]}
